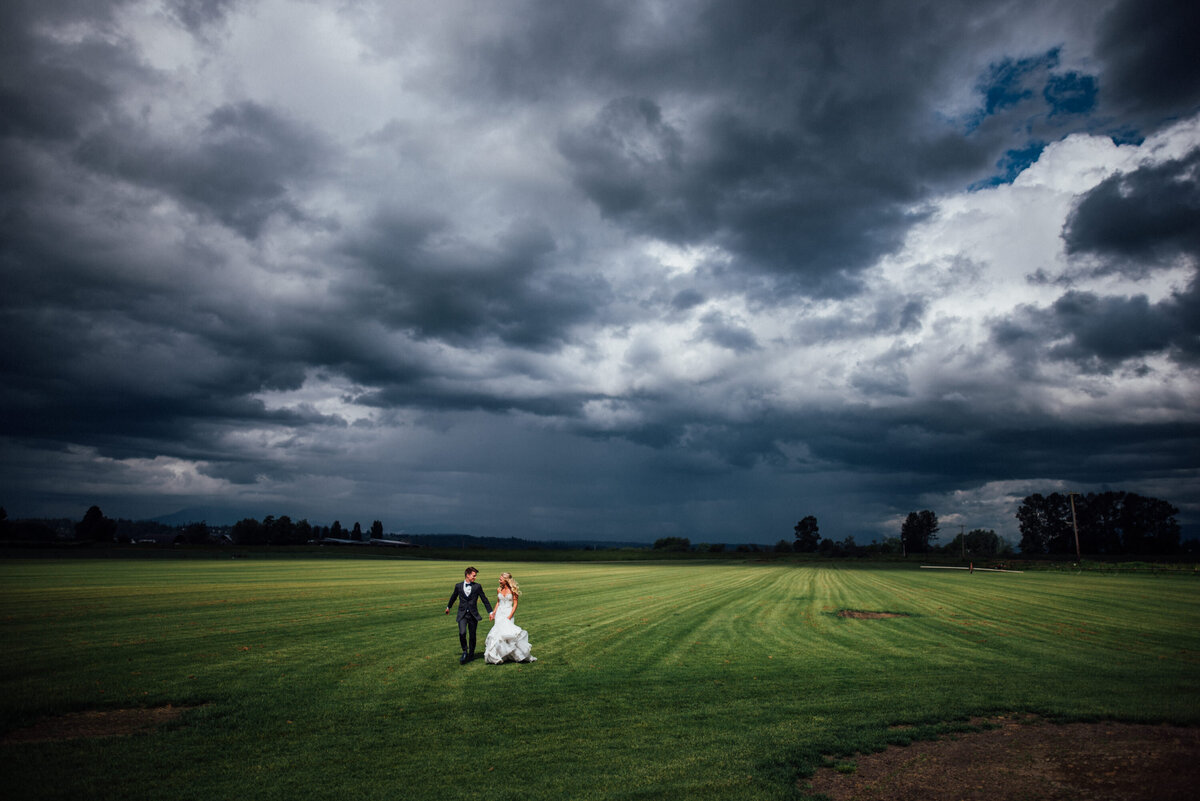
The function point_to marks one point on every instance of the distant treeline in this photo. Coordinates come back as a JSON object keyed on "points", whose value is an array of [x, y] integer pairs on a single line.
{"points": [[95, 527], [1110, 523], [1101, 523], [1113, 523], [271, 530]]}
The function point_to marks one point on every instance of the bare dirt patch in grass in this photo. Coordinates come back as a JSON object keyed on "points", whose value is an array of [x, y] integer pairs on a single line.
{"points": [[95, 723], [1027, 760], [862, 614]]}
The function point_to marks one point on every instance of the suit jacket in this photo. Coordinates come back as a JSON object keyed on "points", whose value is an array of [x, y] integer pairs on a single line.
{"points": [[466, 603]]}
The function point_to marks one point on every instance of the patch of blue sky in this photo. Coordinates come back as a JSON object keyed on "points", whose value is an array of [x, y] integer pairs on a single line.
{"points": [[1126, 135], [1071, 93], [1011, 164], [1007, 82], [1013, 81]]}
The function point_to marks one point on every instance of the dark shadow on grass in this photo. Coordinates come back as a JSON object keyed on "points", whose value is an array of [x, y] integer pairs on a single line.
{"points": [[869, 614]]}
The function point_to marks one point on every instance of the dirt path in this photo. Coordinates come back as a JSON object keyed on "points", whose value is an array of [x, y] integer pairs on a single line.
{"points": [[95, 723], [1028, 760]]}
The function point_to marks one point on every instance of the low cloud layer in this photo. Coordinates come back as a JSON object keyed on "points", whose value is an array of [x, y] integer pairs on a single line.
{"points": [[613, 270]]}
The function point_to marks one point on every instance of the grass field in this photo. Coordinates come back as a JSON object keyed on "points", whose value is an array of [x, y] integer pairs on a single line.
{"points": [[338, 678]]}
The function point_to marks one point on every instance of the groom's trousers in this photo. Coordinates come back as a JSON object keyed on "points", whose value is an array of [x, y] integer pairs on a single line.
{"points": [[466, 629]]}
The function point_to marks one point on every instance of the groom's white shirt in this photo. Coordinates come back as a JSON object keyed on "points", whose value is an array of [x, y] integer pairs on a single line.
{"points": [[466, 589]]}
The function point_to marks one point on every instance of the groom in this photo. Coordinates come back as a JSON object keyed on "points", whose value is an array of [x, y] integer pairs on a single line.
{"points": [[468, 592]]}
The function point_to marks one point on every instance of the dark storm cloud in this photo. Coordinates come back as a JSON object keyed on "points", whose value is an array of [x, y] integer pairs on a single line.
{"points": [[718, 329], [692, 442], [754, 191], [625, 159], [801, 142], [62, 91], [1140, 220], [241, 168], [444, 396], [891, 314], [197, 14], [72, 93], [201, 261], [1088, 453], [443, 287], [99, 376], [943, 446], [1148, 48], [807, 150], [920, 446], [686, 299], [1132, 223], [1110, 330], [49, 88], [1101, 333]]}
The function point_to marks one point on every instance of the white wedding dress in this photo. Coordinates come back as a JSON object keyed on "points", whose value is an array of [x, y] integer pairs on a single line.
{"points": [[506, 642]]}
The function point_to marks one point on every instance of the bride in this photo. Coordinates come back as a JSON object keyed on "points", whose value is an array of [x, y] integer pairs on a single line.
{"points": [[507, 642]]}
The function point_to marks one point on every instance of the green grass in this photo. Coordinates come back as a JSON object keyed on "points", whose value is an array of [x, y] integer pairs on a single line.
{"points": [[336, 678]]}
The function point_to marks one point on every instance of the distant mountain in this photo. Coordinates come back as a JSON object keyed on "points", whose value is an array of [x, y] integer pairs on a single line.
{"points": [[213, 516]]}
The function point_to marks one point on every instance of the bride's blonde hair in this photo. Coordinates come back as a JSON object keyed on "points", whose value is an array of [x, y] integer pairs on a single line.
{"points": [[512, 583]]}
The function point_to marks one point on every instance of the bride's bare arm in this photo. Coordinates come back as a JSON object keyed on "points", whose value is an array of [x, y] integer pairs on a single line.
{"points": [[514, 611]]}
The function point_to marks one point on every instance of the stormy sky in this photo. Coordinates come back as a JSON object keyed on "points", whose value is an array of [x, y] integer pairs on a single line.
{"points": [[614, 270]]}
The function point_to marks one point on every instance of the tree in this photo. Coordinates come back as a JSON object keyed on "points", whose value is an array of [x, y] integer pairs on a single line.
{"points": [[1148, 525], [976, 542], [196, 533], [672, 544], [248, 531], [335, 531], [783, 546], [95, 527], [891, 545], [280, 531], [808, 538], [848, 547], [377, 530], [1109, 522], [981, 542], [1099, 520], [356, 533], [918, 531], [1045, 523]]}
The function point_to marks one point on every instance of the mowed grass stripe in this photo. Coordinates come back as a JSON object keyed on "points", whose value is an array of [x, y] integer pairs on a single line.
{"points": [[332, 677]]}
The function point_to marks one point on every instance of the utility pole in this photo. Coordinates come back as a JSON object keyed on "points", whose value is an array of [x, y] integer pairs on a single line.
{"points": [[1075, 525], [962, 539]]}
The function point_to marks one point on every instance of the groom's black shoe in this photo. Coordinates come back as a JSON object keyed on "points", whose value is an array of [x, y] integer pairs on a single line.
{"points": [[462, 660]]}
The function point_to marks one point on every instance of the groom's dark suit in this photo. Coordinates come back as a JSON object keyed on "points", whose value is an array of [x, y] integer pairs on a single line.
{"points": [[468, 615]]}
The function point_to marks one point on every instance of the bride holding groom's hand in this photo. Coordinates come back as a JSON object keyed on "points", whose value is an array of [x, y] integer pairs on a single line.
{"points": [[507, 642]]}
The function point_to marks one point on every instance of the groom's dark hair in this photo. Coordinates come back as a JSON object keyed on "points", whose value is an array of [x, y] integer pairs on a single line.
{"points": [[470, 570]]}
